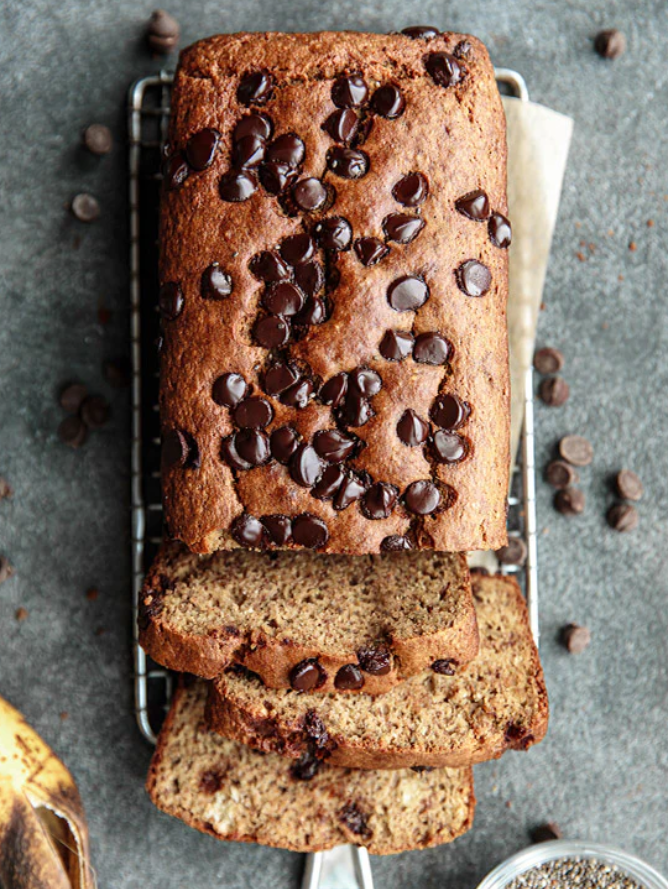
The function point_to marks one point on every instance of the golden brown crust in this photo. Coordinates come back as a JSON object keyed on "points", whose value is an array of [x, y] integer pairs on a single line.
{"points": [[456, 137]]}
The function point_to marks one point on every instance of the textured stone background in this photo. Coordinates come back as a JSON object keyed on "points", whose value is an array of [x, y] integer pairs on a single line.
{"points": [[603, 771]]}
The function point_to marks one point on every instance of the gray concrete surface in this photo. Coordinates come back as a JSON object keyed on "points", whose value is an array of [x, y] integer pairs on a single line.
{"points": [[602, 773]]}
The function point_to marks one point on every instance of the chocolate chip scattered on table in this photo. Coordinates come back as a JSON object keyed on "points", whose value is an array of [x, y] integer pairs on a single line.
{"points": [[97, 139], [162, 32], [575, 638], [554, 391], [545, 833], [628, 485], [561, 474], [514, 553], [548, 360], [622, 517], [610, 43], [576, 450], [85, 207], [570, 501]]}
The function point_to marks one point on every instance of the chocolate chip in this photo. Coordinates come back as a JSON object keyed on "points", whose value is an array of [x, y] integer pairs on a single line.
{"points": [[201, 148], [351, 490], [448, 447], [463, 50], [334, 390], [395, 543], [268, 266], [411, 190], [375, 661], [284, 442], [73, 432], [85, 207], [329, 484], [230, 455], [432, 348], [98, 139], [356, 411], [170, 301], [297, 249], [412, 429], [348, 163], [407, 294], [422, 497], [334, 233], [576, 450], [229, 390], [309, 194], [306, 467], [444, 69], [445, 667], [310, 277], [474, 205], [252, 446], [255, 88], [449, 412], [258, 125], [554, 391], [216, 284], [276, 178], [370, 250], [513, 553], [379, 501], [629, 485], [474, 278], [560, 474], [162, 32], [610, 44], [569, 501], [356, 821], [249, 531], [388, 101], [253, 413], [286, 149], [174, 448], [237, 186], [298, 395], [315, 730], [365, 381], [548, 360], [334, 446], [175, 171], [500, 231], [402, 228], [545, 833], [279, 528], [349, 91], [272, 332], [622, 517], [396, 345], [575, 638], [278, 377], [420, 32], [349, 678], [314, 312], [306, 767], [94, 411], [342, 125], [72, 397], [248, 152], [307, 675], [309, 531], [283, 298]]}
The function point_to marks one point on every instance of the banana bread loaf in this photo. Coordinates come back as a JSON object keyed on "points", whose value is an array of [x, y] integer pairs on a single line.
{"points": [[234, 793], [333, 295], [308, 621], [443, 717]]}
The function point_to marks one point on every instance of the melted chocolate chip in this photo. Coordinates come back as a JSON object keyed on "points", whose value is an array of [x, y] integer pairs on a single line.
{"points": [[283, 298], [310, 277], [356, 411], [306, 467], [306, 767], [365, 381], [349, 678], [402, 228], [253, 413], [258, 125], [309, 531], [396, 345], [448, 447], [444, 69], [474, 278], [298, 395], [248, 531], [237, 186], [330, 482], [297, 249], [432, 348], [175, 449], [175, 171], [334, 233], [379, 501], [463, 50], [348, 163], [170, 301], [411, 190], [229, 390], [334, 390], [255, 88], [342, 125], [395, 543], [268, 266], [287, 149], [307, 675], [407, 294], [229, 453], [283, 443], [388, 101], [474, 205], [351, 489], [422, 497], [279, 377], [375, 661], [272, 332], [309, 194], [314, 312], [334, 446], [252, 446], [420, 32], [248, 152], [444, 666], [370, 250], [349, 91], [412, 429], [500, 232], [276, 177], [449, 412], [216, 284], [201, 148], [279, 528]]}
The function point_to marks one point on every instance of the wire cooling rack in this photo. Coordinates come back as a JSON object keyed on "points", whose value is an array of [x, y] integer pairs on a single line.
{"points": [[149, 106]]}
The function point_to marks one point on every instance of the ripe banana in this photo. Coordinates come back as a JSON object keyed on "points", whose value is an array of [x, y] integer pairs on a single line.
{"points": [[43, 831]]}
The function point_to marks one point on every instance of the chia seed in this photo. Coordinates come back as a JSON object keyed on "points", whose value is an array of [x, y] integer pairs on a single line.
{"points": [[587, 873]]}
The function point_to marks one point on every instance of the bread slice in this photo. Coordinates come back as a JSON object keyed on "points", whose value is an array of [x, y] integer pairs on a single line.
{"points": [[497, 702], [378, 619], [235, 793]]}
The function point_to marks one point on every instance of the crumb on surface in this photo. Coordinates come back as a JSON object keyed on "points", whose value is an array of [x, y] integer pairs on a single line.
{"points": [[21, 613]]}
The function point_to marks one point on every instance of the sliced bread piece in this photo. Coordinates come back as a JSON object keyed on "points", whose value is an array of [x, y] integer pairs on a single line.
{"points": [[496, 702], [304, 620], [234, 793]]}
